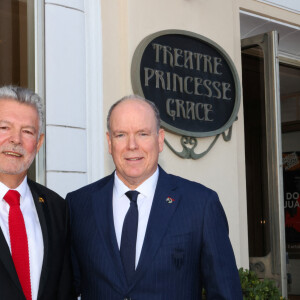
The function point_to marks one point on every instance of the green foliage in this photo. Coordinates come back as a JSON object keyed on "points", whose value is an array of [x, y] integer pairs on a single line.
{"points": [[256, 289]]}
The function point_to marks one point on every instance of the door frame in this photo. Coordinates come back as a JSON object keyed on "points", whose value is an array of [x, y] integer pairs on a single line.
{"points": [[268, 42]]}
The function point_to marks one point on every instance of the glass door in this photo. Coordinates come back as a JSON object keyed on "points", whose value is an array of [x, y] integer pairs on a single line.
{"points": [[16, 52], [262, 123], [21, 56], [290, 118]]}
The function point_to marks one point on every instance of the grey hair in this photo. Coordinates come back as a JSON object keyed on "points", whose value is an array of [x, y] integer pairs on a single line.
{"points": [[134, 97], [25, 96]]}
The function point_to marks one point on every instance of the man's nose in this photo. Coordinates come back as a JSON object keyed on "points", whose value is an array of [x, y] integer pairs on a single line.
{"points": [[15, 137], [132, 142]]}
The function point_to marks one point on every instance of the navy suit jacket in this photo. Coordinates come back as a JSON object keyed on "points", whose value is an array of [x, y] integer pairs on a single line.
{"points": [[186, 246]]}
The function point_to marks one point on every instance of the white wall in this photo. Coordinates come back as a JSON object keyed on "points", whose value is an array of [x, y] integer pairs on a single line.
{"points": [[73, 73], [65, 69]]}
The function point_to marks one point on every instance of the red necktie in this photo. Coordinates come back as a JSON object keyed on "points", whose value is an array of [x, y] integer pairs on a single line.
{"points": [[18, 241]]}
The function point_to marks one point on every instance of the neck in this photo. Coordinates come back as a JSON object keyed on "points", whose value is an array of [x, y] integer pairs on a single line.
{"points": [[12, 181]]}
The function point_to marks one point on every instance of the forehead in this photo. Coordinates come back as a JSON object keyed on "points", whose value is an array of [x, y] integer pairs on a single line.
{"points": [[12, 110], [132, 110]]}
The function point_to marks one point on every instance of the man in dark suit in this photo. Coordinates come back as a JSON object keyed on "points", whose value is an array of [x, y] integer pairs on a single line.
{"points": [[34, 236], [141, 233]]}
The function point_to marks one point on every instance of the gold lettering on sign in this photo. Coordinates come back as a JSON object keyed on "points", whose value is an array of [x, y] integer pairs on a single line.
{"points": [[178, 108], [199, 84], [187, 59], [187, 85]]}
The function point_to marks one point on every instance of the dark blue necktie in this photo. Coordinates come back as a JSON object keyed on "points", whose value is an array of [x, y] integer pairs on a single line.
{"points": [[129, 233]]}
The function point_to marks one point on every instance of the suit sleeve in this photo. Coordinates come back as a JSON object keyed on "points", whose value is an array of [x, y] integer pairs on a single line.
{"points": [[72, 256], [66, 289], [218, 266]]}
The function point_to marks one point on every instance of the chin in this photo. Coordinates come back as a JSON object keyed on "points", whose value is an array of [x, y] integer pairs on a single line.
{"points": [[134, 175], [12, 171]]}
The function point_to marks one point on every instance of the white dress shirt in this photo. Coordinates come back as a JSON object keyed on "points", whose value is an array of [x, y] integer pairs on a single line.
{"points": [[33, 230], [144, 202]]}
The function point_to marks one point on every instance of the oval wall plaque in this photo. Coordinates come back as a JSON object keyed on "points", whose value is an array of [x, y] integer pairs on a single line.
{"points": [[191, 79]]}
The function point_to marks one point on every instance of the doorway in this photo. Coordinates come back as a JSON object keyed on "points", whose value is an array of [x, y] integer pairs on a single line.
{"points": [[290, 118], [261, 98], [271, 97], [18, 51]]}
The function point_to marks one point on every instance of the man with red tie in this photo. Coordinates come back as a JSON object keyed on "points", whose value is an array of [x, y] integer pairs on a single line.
{"points": [[34, 247]]}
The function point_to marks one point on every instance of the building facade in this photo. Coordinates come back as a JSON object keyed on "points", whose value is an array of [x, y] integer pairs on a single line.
{"points": [[77, 54]]}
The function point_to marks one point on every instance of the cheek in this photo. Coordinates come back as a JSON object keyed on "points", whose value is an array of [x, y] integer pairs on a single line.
{"points": [[118, 147], [30, 146], [115, 152], [3, 139], [152, 148]]}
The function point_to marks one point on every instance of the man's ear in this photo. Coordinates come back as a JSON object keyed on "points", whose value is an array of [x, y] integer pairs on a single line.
{"points": [[109, 142], [161, 138], [40, 142]]}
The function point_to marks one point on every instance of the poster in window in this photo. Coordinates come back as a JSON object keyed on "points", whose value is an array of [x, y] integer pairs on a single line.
{"points": [[291, 178]]}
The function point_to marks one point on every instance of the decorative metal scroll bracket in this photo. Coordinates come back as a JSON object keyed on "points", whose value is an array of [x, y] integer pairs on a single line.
{"points": [[188, 151], [258, 267]]}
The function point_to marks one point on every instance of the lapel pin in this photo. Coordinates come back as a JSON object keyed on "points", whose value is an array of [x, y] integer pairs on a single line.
{"points": [[170, 200], [41, 200]]}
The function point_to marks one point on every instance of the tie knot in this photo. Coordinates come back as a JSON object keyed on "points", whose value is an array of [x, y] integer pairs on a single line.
{"points": [[132, 195], [12, 197]]}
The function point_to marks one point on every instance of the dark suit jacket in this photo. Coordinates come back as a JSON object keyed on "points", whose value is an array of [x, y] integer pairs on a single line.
{"points": [[56, 280], [186, 246]]}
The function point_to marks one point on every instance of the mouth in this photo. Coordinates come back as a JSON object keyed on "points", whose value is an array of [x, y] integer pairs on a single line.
{"points": [[15, 154], [134, 159]]}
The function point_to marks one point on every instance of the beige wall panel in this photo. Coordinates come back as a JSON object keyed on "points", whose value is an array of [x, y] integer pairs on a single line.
{"points": [[269, 11], [125, 24]]}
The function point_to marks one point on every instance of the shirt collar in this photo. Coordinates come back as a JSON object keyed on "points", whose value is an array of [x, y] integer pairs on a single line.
{"points": [[147, 188], [22, 189]]}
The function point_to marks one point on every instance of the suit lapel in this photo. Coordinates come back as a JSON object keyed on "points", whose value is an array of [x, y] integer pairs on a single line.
{"points": [[160, 216], [103, 214], [6, 260], [40, 202]]}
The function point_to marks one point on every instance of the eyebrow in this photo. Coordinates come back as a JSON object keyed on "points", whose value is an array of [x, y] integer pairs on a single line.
{"points": [[26, 126], [118, 131], [4, 121], [144, 129], [124, 131], [31, 127]]}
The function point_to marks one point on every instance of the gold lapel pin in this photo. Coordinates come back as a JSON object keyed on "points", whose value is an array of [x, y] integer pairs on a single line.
{"points": [[170, 200], [41, 200]]}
